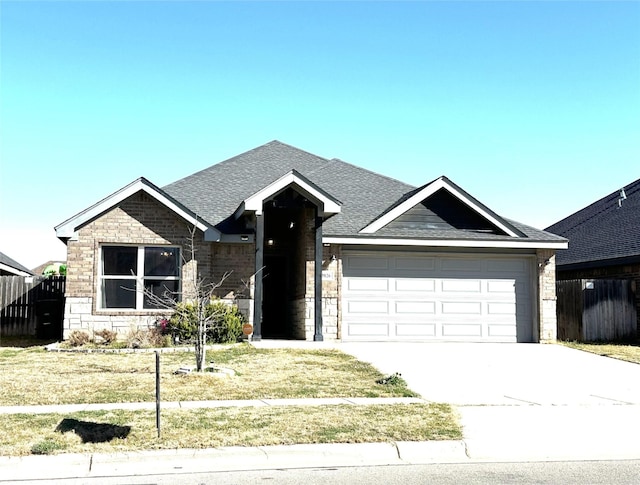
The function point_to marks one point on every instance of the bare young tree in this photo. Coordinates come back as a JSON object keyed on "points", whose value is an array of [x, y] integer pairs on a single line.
{"points": [[197, 291]]}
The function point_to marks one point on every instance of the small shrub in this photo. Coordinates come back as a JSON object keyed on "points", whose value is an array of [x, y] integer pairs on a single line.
{"points": [[227, 326], [46, 447], [78, 338], [138, 338], [224, 325], [392, 380], [107, 336]]}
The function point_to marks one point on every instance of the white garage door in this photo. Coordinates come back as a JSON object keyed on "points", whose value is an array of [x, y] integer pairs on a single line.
{"points": [[413, 296]]}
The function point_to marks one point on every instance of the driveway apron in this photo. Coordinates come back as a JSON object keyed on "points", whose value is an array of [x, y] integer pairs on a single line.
{"points": [[523, 401]]}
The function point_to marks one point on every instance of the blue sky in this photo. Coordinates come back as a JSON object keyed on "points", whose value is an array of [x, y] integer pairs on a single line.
{"points": [[531, 107]]}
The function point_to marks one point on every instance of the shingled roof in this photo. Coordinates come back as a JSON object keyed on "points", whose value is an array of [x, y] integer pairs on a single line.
{"points": [[9, 265], [215, 193], [606, 232]]}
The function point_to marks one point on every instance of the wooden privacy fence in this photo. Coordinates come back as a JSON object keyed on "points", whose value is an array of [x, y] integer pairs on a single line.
{"points": [[596, 310], [31, 306]]}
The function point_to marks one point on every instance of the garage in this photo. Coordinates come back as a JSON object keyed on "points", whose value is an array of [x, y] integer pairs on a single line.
{"points": [[437, 296]]}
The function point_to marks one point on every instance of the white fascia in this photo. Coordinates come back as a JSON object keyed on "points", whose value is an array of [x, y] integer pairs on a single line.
{"points": [[12, 270], [423, 194], [69, 227], [254, 203], [516, 243]]}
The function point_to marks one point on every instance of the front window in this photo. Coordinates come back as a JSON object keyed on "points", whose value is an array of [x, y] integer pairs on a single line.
{"points": [[126, 270]]}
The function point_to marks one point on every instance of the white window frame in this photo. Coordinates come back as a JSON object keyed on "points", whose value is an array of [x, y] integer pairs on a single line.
{"points": [[139, 277]]}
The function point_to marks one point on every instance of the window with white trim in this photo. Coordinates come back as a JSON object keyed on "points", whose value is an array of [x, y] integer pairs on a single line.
{"points": [[126, 270]]}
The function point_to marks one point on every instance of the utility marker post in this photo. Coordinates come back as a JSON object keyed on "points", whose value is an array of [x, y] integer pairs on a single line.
{"points": [[158, 392]]}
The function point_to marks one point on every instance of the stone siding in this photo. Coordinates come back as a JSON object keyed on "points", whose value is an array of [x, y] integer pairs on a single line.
{"points": [[547, 320]]}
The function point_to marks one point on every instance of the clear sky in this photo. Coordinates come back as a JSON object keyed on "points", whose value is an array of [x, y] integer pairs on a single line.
{"points": [[531, 107]]}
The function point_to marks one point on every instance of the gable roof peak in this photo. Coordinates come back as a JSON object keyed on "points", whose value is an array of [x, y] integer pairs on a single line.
{"points": [[420, 194]]}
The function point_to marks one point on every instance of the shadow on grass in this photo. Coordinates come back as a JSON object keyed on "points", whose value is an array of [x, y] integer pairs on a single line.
{"points": [[24, 342], [93, 432]]}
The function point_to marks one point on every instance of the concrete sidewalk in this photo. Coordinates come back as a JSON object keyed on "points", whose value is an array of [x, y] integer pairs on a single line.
{"points": [[135, 406], [146, 463]]}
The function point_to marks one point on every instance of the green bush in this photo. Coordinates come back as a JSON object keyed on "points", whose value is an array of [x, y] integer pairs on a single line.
{"points": [[47, 447], [224, 322]]}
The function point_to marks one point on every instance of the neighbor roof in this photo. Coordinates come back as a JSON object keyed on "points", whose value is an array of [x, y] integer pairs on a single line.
{"points": [[12, 266], [603, 233], [217, 192]]}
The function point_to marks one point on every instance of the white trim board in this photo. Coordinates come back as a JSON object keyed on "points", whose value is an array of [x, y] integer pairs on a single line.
{"points": [[69, 227], [516, 243], [328, 205]]}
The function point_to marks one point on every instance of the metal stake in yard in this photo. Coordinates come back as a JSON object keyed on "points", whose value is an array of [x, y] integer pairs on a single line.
{"points": [[158, 392]]}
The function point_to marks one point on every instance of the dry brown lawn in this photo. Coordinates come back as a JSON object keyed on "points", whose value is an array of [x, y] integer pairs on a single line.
{"points": [[112, 431], [627, 352], [34, 376]]}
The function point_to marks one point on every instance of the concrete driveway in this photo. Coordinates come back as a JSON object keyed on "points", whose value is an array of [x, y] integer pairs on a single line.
{"points": [[504, 374], [523, 402]]}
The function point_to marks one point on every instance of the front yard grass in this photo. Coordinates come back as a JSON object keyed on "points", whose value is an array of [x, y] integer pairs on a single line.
{"points": [[627, 352], [34, 376], [206, 428]]}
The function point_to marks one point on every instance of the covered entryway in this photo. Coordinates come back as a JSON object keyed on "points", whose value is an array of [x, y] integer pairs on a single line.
{"points": [[289, 214], [437, 296]]}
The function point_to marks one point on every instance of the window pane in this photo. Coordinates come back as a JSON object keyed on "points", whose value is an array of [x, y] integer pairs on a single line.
{"points": [[161, 261], [119, 260], [118, 294], [161, 289]]}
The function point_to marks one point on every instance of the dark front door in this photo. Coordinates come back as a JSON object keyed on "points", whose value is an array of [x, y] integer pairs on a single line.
{"points": [[275, 304]]}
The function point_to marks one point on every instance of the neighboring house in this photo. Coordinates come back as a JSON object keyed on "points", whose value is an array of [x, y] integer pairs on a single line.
{"points": [[10, 267], [317, 248], [604, 240], [50, 265]]}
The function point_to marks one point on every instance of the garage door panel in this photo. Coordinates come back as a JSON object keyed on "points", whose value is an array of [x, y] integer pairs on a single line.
{"points": [[461, 308], [363, 307], [507, 265], [461, 330], [501, 286], [414, 264], [458, 297], [460, 264], [415, 284], [416, 329], [368, 284], [473, 286], [367, 263], [369, 330], [416, 307]]}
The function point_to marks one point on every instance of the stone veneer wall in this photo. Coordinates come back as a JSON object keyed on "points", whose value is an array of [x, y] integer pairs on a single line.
{"points": [[138, 220], [547, 320]]}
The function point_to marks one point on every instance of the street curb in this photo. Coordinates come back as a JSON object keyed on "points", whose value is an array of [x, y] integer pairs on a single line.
{"points": [[229, 459]]}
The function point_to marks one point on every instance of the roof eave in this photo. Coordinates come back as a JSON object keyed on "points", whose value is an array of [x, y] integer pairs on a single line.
{"points": [[458, 243]]}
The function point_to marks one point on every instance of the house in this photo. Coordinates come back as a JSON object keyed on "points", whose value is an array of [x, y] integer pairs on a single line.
{"points": [[10, 267], [315, 249], [604, 240]]}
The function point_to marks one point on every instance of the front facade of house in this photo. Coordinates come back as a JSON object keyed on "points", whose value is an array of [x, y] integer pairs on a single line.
{"points": [[311, 248]]}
